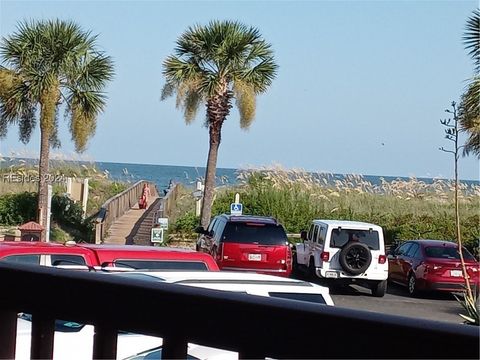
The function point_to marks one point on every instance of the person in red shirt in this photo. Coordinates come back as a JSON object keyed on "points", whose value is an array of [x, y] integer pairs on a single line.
{"points": [[143, 203]]}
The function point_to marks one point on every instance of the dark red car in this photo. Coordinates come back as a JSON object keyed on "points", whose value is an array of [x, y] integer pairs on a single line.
{"points": [[247, 243], [431, 265]]}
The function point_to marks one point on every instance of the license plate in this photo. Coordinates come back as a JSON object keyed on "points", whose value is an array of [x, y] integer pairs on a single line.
{"points": [[456, 273], [255, 257], [331, 274]]}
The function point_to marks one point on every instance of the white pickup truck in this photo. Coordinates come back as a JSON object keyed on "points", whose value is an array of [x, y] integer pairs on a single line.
{"points": [[344, 251]]}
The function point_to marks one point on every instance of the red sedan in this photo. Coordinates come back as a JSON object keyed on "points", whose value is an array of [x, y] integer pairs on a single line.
{"points": [[432, 265]]}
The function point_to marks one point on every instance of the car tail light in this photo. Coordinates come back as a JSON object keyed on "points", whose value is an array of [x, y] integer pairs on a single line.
{"points": [[289, 257], [382, 259], [220, 252], [432, 267], [325, 256]]}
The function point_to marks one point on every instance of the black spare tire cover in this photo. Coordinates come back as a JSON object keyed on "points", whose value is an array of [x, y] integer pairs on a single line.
{"points": [[355, 258]]}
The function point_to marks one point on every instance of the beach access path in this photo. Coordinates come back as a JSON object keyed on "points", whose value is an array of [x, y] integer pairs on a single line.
{"points": [[133, 228]]}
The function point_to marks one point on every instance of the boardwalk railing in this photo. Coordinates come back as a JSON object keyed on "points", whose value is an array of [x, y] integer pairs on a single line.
{"points": [[118, 205], [254, 326], [167, 204]]}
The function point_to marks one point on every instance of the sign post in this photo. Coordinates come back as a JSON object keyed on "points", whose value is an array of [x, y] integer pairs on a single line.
{"points": [[236, 209], [157, 235]]}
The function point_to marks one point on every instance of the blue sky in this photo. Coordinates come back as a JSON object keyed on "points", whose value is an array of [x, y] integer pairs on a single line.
{"points": [[361, 85]]}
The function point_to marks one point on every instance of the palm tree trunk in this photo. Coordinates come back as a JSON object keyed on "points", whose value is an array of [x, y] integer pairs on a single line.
{"points": [[48, 101], [210, 175], [43, 176], [218, 108]]}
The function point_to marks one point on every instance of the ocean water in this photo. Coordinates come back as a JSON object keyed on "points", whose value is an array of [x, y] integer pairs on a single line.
{"points": [[188, 175], [163, 174]]}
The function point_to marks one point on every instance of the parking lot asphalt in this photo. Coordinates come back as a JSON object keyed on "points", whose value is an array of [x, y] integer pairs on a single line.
{"points": [[431, 306]]}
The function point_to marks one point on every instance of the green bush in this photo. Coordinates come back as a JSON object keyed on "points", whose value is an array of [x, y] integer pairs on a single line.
{"points": [[18, 208], [186, 224], [69, 215]]}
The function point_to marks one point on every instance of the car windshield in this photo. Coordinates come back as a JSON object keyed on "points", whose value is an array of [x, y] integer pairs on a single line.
{"points": [[342, 236], [162, 265], [60, 325], [254, 233], [155, 353], [314, 298], [444, 252]]}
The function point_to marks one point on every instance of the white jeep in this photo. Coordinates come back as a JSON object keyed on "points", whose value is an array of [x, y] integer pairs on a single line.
{"points": [[344, 251]]}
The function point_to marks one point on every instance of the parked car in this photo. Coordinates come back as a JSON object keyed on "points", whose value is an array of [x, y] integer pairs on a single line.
{"points": [[344, 252], [247, 243], [75, 341], [248, 283], [100, 256], [431, 265]]}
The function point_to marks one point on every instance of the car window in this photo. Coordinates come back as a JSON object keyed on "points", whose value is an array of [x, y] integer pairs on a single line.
{"points": [[315, 233], [254, 233], [66, 259], [444, 252], [322, 234], [218, 230], [310, 232], [341, 237], [162, 264], [212, 224], [315, 298], [412, 250], [402, 250], [23, 259]]}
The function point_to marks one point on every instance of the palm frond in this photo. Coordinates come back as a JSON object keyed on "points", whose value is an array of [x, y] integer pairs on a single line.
{"points": [[167, 91], [214, 60], [469, 118], [90, 72], [246, 103], [471, 37]]}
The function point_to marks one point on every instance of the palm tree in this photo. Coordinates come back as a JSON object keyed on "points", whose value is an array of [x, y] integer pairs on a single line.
{"points": [[49, 63], [469, 109], [213, 65]]}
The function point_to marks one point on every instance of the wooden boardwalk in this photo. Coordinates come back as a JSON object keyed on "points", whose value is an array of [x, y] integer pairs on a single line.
{"points": [[133, 228]]}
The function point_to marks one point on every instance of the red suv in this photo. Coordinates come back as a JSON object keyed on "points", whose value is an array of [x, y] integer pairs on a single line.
{"points": [[431, 265], [248, 243]]}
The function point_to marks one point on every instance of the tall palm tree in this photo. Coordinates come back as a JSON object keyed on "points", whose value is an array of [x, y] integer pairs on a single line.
{"points": [[469, 109], [213, 65], [49, 63]]}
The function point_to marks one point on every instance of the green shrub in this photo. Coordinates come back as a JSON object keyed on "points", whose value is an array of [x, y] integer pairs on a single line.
{"points": [[59, 235], [18, 208], [186, 224]]}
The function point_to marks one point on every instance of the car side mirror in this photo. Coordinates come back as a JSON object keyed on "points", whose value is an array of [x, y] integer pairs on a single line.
{"points": [[200, 230], [303, 235]]}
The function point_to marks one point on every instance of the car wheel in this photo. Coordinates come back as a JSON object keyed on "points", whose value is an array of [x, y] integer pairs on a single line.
{"points": [[311, 269], [294, 262], [355, 258], [412, 285], [379, 288]]}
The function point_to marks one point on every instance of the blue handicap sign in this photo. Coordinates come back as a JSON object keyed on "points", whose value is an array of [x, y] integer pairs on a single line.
{"points": [[236, 209]]}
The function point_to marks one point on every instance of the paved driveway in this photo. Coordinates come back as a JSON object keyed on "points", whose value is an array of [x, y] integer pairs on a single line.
{"points": [[433, 306]]}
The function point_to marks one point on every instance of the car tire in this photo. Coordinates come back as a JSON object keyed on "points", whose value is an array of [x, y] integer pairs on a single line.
{"points": [[311, 269], [379, 288], [412, 285], [355, 258], [294, 262]]}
